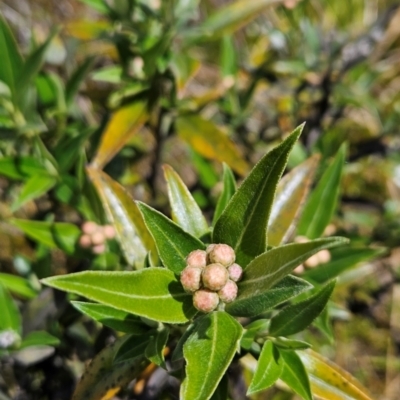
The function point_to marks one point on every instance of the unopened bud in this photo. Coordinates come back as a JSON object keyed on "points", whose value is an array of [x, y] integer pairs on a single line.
{"points": [[99, 249], [235, 272], [197, 258], [324, 256], [222, 254], [205, 300], [191, 279], [98, 238], [85, 241], [299, 269], [229, 292], [312, 262], [215, 276], [89, 227], [109, 231]]}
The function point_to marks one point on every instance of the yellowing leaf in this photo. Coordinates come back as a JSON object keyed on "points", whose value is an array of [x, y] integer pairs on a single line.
{"points": [[329, 381], [210, 141], [123, 124], [86, 30]]}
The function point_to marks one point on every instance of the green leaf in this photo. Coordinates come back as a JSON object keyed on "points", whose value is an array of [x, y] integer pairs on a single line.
{"points": [[296, 317], [329, 381], [153, 293], [208, 353], [290, 344], [173, 243], [39, 338], [251, 304], [35, 186], [133, 347], [116, 319], [20, 167], [104, 377], [210, 141], [32, 66], [294, 374], [52, 234], [243, 224], [123, 124], [342, 260], [178, 351], [185, 211], [10, 316], [290, 195], [269, 369], [228, 191], [155, 349], [126, 218], [321, 205], [255, 328], [72, 86], [98, 5], [221, 393], [11, 60], [17, 285]]}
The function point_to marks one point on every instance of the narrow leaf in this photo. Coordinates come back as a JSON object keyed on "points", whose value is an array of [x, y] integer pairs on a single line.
{"points": [[228, 190], [252, 304], [39, 338], [269, 368], [123, 124], [290, 344], [210, 141], [294, 374], [104, 378], [208, 353], [72, 86], [153, 293], [290, 195], [173, 243], [17, 285], [342, 260], [243, 224], [10, 316], [155, 349], [126, 218], [133, 347], [116, 319], [296, 317], [20, 167], [185, 211], [34, 187], [329, 381], [321, 205]]}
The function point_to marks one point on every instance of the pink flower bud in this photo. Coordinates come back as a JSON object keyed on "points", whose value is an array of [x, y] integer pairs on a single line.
{"points": [[85, 241], [312, 262], [299, 269], [99, 249], [222, 254], [98, 238], [229, 292], [197, 258], [214, 276], [235, 272], [109, 231], [324, 256], [89, 227], [205, 300], [191, 279]]}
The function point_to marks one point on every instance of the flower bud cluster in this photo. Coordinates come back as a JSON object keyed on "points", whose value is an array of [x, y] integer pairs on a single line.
{"points": [[211, 276], [95, 236]]}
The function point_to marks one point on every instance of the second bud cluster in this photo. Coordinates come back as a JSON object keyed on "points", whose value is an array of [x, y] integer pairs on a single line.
{"points": [[211, 276]]}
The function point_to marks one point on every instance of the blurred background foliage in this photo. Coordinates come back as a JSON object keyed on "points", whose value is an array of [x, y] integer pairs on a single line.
{"points": [[130, 85]]}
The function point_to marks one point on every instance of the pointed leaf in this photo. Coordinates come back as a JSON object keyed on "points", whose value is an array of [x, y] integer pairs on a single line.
{"points": [[342, 260], [78, 76], [321, 205], [329, 381], [34, 187], [17, 285], [133, 347], [126, 218], [155, 349], [296, 317], [228, 191], [116, 319], [294, 374], [251, 304], [208, 353], [185, 211], [104, 378], [123, 124], [290, 344], [173, 243], [20, 167], [290, 195], [153, 293], [210, 141], [269, 368], [243, 224], [52, 234], [39, 338], [10, 316]]}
